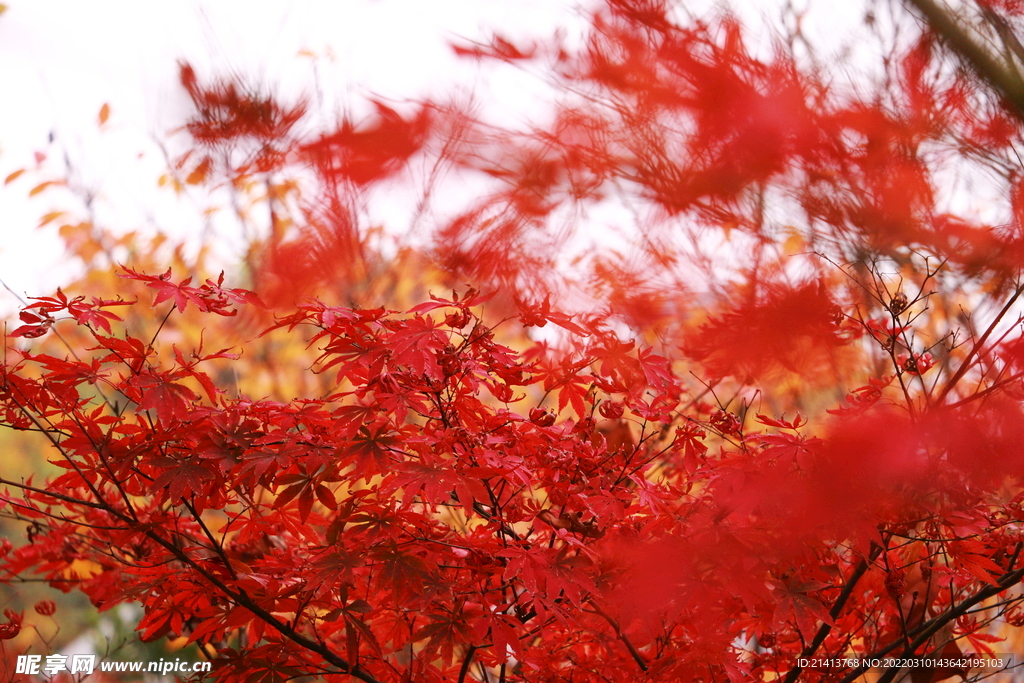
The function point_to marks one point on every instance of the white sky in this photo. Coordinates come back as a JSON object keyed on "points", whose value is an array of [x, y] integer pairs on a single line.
{"points": [[61, 60]]}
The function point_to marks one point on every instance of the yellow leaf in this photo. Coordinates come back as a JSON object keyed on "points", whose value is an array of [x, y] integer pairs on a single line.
{"points": [[175, 644], [14, 176], [794, 244], [83, 569], [104, 113], [3, 8]]}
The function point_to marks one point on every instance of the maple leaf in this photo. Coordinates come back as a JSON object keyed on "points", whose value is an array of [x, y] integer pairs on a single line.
{"points": [[447, 630], [433, 482], [405, 573], [416, 343], [796, 604], [371, 449], [550, 572], [183, 479], [798, 450], [974, 558], [371, 151], [129, 351], [181, 294], [170, 400], [269, 454], [93, 314], [689, 438]]}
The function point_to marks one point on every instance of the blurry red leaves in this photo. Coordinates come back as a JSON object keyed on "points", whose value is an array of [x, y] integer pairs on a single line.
{"points": [[45, 607], [782, 423], [1011, 8], [499, 48], [862, 398], [295, 265], [796, 604], [750, 118], [782, 327], [502, 251], [227, 111], [985, 445], [362, 153], [13, 626]]}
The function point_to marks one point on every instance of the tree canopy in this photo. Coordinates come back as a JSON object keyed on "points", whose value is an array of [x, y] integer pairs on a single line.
{"points": [[775, 434]]}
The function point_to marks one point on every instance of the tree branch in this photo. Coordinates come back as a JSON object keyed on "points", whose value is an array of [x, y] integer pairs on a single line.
{"points": [[1005, 81], [837, 608], [633, 652]]}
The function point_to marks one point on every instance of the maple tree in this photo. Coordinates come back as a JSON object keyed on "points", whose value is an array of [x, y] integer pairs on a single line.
{"points": [[808, 449]]}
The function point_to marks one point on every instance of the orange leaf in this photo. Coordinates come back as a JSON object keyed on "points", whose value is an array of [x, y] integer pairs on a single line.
{"points": [[104, 113], [42, 186], [14, 176], [50, 217], [199, 174]]}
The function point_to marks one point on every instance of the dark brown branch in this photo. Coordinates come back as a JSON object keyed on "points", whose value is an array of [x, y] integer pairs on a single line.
{"points": [[239, 597], [942, 20], [837, 609], [924, 632], [1007, 581], [53, 494], [633, 652], [242, 599], [976, 348], [464, 669]]}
